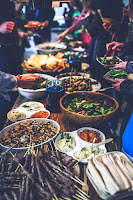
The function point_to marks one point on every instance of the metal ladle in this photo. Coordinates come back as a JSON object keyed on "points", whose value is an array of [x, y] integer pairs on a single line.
{"points": [[22, 139]]}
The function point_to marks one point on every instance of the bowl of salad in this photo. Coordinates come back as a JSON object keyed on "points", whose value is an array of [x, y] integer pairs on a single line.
{"points": [[88, 108]]}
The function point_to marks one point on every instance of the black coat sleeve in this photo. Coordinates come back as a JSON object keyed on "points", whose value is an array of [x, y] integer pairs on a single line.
{"points": [[93, 24], [126, 89]]}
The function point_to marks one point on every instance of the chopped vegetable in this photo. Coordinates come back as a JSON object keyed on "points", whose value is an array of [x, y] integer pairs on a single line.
{"points": [[109, 61], [118, 74], [82, 106]]}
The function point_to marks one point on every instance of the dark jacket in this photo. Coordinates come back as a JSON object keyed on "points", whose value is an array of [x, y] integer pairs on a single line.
{"points": [[126, 86], [7, 13], [93, 24]]}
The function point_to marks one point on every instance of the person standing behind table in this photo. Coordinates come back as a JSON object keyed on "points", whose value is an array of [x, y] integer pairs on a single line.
{"points": [[126, 89], [9, 83], [9, 50], [92, 21], [74, 14], [125, 48], [43, 13]]}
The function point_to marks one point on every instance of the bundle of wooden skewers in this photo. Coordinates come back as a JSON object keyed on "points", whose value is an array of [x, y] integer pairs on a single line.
{"points": [[42, 174]]}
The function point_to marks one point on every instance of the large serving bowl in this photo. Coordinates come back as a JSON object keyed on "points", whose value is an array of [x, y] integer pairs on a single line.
{"points": [[6, 129], [85, 119], [34, 94], [50, 48]]}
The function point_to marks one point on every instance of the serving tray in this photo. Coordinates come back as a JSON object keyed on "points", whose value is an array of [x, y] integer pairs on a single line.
{"points": [[80, 143], [104, 194]]}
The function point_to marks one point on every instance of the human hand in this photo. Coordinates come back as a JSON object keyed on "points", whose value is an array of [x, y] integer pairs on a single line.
{"points": [[107, 26], [7, 27], [117, 85], [27, 80], [46, 23], [114, 46], [61, 36], [122, 66], [22, 34]]}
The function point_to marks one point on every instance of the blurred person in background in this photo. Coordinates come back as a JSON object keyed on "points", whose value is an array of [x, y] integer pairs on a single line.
{"points": [[91, 19], [125, 48], [9, 50], [73, 15], [22, 31], [43, 13], [9, 83]]}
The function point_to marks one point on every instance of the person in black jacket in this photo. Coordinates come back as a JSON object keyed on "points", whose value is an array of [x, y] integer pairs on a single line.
{"points": [[125, 87], [125, 47], [9, 50]]}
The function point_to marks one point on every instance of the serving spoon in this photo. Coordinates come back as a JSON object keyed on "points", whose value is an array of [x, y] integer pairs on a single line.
{"points": [[103, 142], [23, 138]]}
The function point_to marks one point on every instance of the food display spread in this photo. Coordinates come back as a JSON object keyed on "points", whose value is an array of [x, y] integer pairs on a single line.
{"points": [[75, 54], [50, 168], [72, 84], [81, 150], [45, 63], [86, 153], [90, 136], [118, 74], [28, 110], [39, 132], [82, 106]]}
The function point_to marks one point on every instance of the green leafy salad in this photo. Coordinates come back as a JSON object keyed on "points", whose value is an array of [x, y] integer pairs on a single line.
{"points": [[118, 74], [109, 61], [82, 106]]}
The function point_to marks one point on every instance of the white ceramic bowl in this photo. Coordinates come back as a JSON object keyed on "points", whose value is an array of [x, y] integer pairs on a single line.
{"points": [[88, 147], [70, 153], [42, 48], [34, 94], [89, 128], [6, 129]]}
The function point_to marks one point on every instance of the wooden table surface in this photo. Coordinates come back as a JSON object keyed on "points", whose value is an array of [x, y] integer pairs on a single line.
{"points": [[65, 126]]}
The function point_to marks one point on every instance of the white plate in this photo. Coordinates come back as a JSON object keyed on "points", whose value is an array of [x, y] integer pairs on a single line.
{"points": [[32, 94], [29, 113], [79, 142], [95, 87], [105, 65], [6, 129]]}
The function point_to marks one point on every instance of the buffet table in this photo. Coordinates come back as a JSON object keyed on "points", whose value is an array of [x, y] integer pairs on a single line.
{"points": [[65, 126]]}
